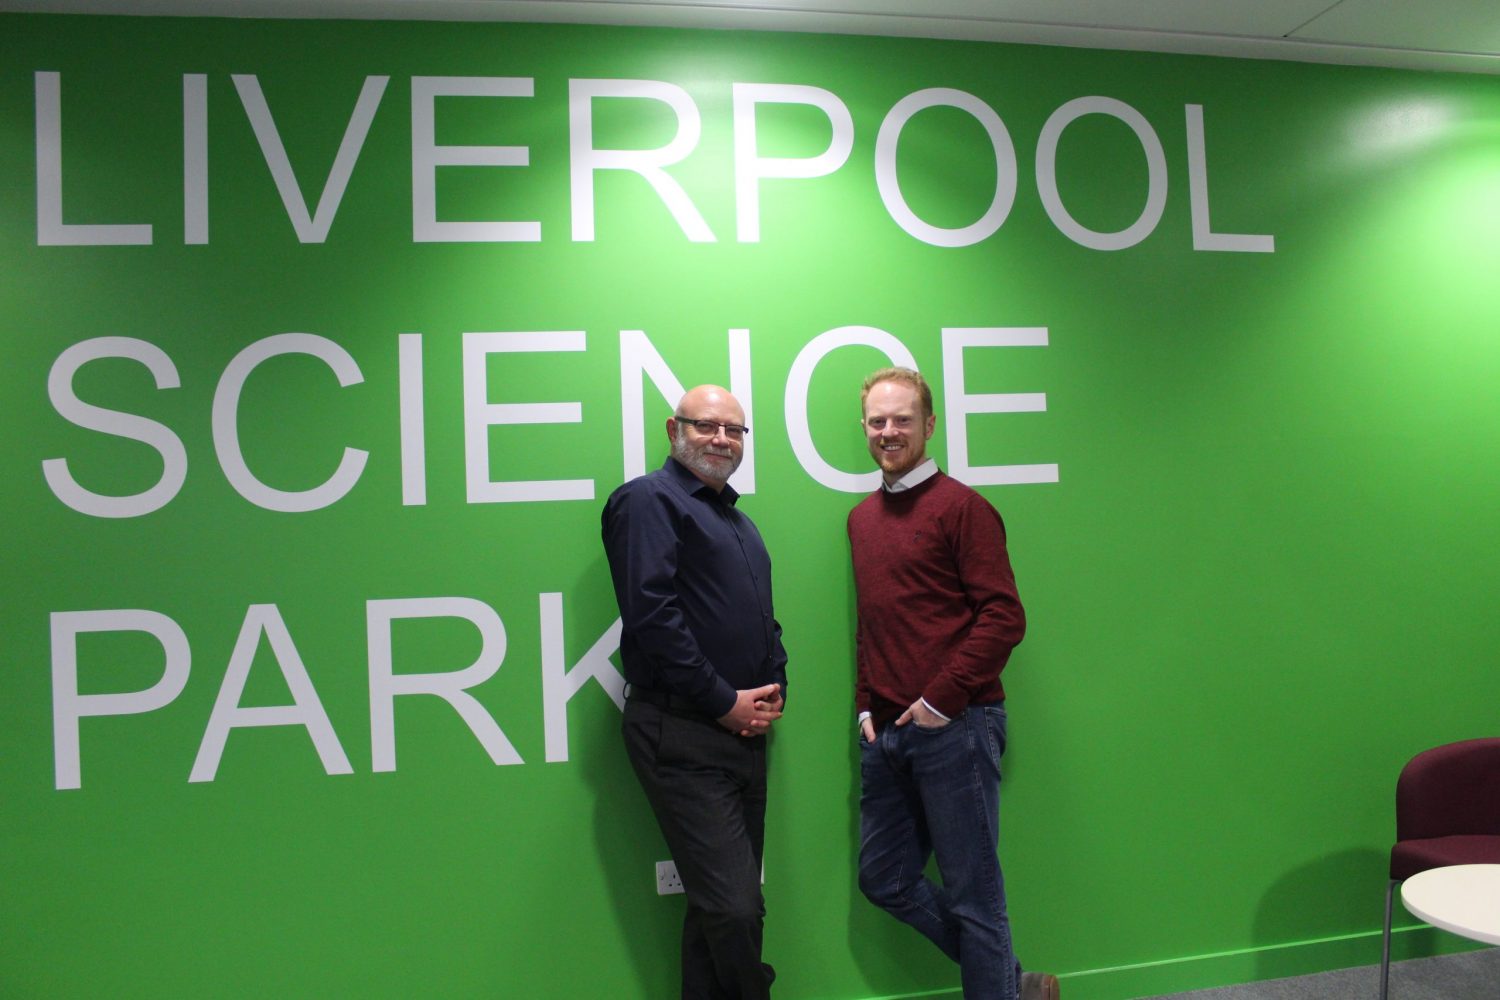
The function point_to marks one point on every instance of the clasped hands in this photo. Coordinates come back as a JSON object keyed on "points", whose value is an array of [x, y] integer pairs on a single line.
{"points": [[754, 710]]}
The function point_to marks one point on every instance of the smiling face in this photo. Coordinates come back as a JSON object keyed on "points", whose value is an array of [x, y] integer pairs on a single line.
{"points": [[711, 457], [896, 428]]}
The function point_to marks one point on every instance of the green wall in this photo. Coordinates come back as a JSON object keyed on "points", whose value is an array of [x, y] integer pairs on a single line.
{"points": [[1250, 491]]}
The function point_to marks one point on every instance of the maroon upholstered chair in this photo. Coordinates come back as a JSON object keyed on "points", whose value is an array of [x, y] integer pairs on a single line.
{"points": [[1447, 813]]}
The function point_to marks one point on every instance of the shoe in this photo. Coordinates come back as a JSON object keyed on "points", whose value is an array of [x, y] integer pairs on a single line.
{"points": [[1038, 986]]}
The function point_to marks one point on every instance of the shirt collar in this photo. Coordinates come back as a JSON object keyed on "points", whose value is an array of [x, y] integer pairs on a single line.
{"points": [[916, 477], [692, 485]]}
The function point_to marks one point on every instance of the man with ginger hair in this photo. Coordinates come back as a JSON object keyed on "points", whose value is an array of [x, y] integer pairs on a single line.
{"points": [[705, 676], [938, 614]]}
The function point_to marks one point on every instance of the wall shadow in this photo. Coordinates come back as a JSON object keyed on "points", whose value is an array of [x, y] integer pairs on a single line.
{"points": [[627, 841], [1338, 894]]}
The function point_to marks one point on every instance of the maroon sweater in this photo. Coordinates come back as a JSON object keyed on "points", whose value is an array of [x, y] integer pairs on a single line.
{"points": [[938, 608]]}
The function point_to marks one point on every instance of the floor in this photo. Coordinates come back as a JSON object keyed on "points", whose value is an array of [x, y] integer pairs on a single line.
{"points": [[1473, 975]]}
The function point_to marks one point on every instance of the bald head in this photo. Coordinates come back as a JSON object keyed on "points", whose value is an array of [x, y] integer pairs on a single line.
{"points": [[711, 456], [698, 400]]}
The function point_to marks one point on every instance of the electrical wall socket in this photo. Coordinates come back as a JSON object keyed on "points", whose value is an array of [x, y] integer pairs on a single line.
{"points": [[667, 879]]}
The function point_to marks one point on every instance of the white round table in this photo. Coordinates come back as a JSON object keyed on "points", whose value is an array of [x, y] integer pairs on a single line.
{"points": [[1464, 899]]}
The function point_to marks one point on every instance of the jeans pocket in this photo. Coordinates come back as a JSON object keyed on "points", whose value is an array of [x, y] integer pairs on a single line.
{"points": [[995, 725]]}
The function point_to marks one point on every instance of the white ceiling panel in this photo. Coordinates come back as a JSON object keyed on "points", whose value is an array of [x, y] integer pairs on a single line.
{"points": [[1452, 35], [1449, 26], [1266, 18]]}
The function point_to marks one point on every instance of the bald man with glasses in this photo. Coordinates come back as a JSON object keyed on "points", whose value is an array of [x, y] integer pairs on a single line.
{"points": [[705, 676]]}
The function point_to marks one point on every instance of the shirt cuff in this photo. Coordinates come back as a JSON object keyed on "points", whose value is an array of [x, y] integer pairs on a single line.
{"points": [[928, 705]]}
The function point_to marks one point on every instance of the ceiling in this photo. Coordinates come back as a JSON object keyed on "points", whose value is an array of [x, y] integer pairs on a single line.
{"points": [[1451, 35]]}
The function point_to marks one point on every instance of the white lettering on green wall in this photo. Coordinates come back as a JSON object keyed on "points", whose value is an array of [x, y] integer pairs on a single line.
{"points": [[387, 683], [225, 420], [652, 165], [750, 168], [960, 404], [480, 415], [130, 426], [68, 706], [51, 230], [1046, 173], [452, 686], [306, 709], [639, 361], [1003, 150], [639, 357], [310, 228], [427, 156], [798, 384]]}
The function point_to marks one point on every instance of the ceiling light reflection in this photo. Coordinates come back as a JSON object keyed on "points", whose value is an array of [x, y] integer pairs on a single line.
{"points": [[1401, 127]]}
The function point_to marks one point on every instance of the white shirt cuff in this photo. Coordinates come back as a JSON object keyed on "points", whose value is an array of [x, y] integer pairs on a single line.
{"points": [[928, 705]]}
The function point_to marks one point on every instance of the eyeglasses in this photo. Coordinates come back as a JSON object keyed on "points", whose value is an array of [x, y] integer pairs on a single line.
{"points": [[708, 428]]}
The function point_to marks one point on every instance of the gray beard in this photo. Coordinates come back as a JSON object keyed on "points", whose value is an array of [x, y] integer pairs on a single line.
{"points": [[695, 460]]}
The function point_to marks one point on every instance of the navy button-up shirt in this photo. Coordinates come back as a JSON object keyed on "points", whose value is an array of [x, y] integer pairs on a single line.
{"points": [[693, 581]]}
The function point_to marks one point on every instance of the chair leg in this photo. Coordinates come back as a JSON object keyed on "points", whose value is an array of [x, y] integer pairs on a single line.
{"points": [[1385, 949]]}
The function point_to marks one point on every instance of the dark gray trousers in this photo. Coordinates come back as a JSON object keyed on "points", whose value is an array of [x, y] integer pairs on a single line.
{"points": [[707, 787]]}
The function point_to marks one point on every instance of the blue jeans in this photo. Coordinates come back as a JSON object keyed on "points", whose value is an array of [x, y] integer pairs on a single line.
{"points": [[936, 792]]}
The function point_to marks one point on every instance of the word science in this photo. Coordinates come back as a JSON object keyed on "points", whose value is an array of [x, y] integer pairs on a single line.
{"points": [[640, 361]]}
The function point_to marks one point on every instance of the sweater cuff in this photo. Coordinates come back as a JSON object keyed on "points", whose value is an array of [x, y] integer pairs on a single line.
{"points": [[945, 697]]}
